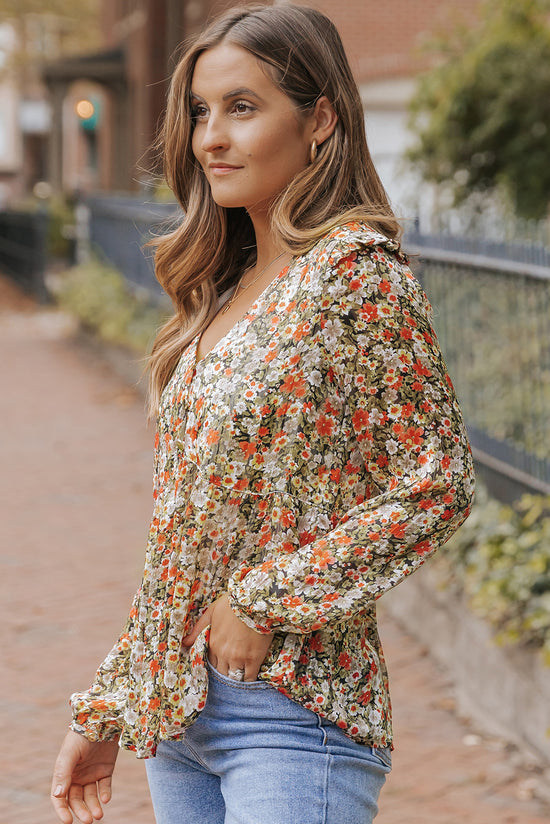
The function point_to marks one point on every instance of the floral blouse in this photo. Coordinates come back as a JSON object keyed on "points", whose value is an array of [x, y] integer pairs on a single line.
{"points": [[311, 461]]}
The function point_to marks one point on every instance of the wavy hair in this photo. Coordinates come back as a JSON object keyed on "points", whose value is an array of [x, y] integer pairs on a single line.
{"points": [[205, 254]]}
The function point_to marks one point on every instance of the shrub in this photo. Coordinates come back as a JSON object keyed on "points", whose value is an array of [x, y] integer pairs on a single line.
{"points": [[100, 298], [500, 559]]}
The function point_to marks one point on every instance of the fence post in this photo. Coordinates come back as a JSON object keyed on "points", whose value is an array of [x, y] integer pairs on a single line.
{"points": [[39, 260]]}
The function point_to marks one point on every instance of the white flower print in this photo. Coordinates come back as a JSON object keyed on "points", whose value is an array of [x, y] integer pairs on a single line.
{"points": [[307, 421]]}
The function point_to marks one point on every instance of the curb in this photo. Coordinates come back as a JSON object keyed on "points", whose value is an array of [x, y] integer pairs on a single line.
{"points": [[505, 690]]}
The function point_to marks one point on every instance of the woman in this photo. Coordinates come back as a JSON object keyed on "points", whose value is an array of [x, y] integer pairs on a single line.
{"points": [[310, 453]]}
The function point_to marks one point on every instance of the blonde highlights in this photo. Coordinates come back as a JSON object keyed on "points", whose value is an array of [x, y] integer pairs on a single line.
{"points": [[302, 51]]}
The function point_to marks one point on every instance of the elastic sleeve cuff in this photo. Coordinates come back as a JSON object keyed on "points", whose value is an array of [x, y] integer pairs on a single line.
{"points": [[237, 594], [97, 719]]}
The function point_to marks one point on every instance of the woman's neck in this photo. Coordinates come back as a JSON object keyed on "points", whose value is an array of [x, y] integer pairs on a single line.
{"points": [[267, 246]]}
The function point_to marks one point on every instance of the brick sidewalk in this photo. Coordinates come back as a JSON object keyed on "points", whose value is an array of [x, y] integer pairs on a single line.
{"points": [[75, 491]]}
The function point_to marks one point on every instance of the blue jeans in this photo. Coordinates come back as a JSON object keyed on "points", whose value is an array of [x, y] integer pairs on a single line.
{"points": [[256, 757]]}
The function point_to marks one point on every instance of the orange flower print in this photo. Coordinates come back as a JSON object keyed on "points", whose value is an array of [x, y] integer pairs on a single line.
{"points": [[303, 467], [325, 425], [294, 384]]}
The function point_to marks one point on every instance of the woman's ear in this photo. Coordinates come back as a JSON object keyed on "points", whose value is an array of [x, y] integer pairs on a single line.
{"points": [[324, 120]]}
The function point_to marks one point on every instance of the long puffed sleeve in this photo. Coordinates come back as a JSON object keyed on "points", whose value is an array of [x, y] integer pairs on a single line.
{"points": [[406, 438], [98, 713]]}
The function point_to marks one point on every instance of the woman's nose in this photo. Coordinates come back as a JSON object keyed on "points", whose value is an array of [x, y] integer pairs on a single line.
{"points": [[215, 135]]}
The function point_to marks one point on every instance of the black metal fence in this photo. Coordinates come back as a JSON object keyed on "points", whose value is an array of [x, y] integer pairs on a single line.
{"points": [[534, 251], [120, 226], [492, 316], [23, 249]]}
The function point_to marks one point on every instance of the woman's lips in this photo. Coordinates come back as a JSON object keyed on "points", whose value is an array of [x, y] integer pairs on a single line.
{"points": [[222, 168]]}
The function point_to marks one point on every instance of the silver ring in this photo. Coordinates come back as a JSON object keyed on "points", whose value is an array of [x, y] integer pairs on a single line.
{"points": [[236, 674]]}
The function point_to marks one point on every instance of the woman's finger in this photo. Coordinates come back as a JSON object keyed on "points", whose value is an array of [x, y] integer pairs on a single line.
{"points": [[66, 761], [63, 769], [61, 807], [203, 622], [104, 787], [251, 672], [78, 806], [91, 800]]}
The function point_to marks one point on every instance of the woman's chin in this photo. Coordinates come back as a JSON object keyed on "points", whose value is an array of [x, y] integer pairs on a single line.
{"points": [[229, 202]]}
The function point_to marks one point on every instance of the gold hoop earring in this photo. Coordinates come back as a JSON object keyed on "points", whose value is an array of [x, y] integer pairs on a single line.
{"points": [[313, 152]]}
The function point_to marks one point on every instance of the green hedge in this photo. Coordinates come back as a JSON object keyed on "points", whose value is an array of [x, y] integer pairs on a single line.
{"points": [[500, 559], [100, 298]]}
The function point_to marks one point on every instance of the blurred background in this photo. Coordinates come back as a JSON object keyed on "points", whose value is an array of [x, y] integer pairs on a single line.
{"points": [[457, 111]]}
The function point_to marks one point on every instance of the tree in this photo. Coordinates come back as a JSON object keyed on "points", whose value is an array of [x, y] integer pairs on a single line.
{"points": [[482, 116], [48, 31]]}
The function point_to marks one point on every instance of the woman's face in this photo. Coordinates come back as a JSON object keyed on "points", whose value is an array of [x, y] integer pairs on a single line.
{"points": [[248, 137]]}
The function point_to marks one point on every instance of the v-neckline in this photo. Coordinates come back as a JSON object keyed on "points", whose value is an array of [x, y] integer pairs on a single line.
{"points": [[198, 362]]}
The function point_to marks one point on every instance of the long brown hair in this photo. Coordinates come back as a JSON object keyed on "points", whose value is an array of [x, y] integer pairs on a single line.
{"points": [[205, 254]]}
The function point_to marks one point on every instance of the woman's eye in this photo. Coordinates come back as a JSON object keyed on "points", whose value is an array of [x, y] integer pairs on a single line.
{"points": [[242, 107], [199, 112]]}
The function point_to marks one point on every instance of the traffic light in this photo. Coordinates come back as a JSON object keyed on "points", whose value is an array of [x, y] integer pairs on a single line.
{"points": [[88, 111]]}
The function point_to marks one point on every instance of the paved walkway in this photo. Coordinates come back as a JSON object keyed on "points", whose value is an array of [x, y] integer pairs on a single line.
{"points": [[75, 502]]}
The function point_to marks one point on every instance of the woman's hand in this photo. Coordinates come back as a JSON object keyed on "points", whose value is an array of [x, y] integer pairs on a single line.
{"points": [[82, 778], [232, 644]]}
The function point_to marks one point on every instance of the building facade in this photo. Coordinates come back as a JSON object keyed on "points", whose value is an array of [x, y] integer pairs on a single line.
{"points": [[385, 43]]}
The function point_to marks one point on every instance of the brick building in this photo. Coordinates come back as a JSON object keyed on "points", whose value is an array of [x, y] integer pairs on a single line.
{"points": [[384, 42]]}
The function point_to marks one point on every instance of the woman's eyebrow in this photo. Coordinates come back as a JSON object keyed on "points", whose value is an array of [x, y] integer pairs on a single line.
{"points": [[239, 92]]}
